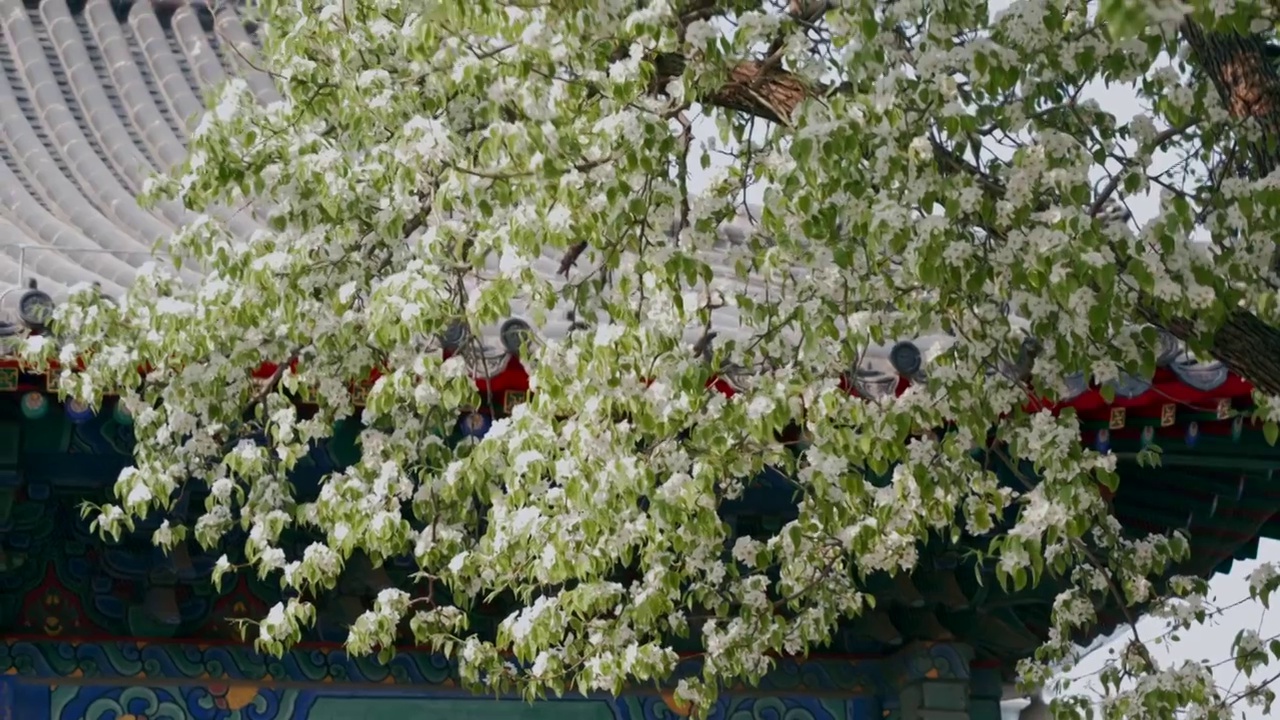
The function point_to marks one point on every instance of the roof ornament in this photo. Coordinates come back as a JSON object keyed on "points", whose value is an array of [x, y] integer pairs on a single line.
{"points": [[1077, 383], [35, 307], [874, 385], [454, 336], [1168, 348], [1019, 370], [1128, 385], [516, 335], [1027, 354], [1201, 376], [906, 359]]}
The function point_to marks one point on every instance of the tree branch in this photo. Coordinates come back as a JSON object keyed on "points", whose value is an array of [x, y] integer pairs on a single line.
{"points": [[1247, 83], [753, 87], [1246, 344]]}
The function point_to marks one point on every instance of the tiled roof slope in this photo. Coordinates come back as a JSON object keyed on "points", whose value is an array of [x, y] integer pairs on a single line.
{"points": [[94, 97]]}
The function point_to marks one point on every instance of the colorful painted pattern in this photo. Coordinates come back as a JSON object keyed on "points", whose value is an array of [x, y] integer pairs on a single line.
{"points": [[197, 703], [138, 681], [121, 660]]}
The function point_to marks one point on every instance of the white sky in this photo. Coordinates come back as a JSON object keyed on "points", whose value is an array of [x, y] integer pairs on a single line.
{"points": [[1212, 642]]}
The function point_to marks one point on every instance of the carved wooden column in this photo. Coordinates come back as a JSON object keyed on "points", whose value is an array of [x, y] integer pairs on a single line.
{"points": [[934, 682], [867, 707], [986, 690], [1036, 710]]}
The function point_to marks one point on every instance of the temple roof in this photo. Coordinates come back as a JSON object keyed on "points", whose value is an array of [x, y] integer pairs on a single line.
{"points": [[107, 92]]}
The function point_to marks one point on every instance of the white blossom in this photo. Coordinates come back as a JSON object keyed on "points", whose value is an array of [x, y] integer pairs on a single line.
{"points": [[425, 176]]}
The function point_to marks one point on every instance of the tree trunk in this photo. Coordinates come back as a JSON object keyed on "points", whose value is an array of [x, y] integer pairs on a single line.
{"points": [[1242, 71]]}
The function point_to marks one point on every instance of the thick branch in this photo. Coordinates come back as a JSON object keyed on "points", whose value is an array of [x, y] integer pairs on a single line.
{"points": [[1246, 79], [760, 88], [1249, 346], [1243, 72], [766, 92]]}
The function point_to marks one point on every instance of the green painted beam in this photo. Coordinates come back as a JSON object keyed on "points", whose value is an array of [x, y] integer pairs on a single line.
{"points": [[1129, 462], [1223, 514], [10, 443], [1220, 482], [49, 434]]}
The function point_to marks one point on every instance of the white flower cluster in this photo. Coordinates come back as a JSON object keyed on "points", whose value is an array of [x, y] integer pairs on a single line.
{"points": [[932, 175]]}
